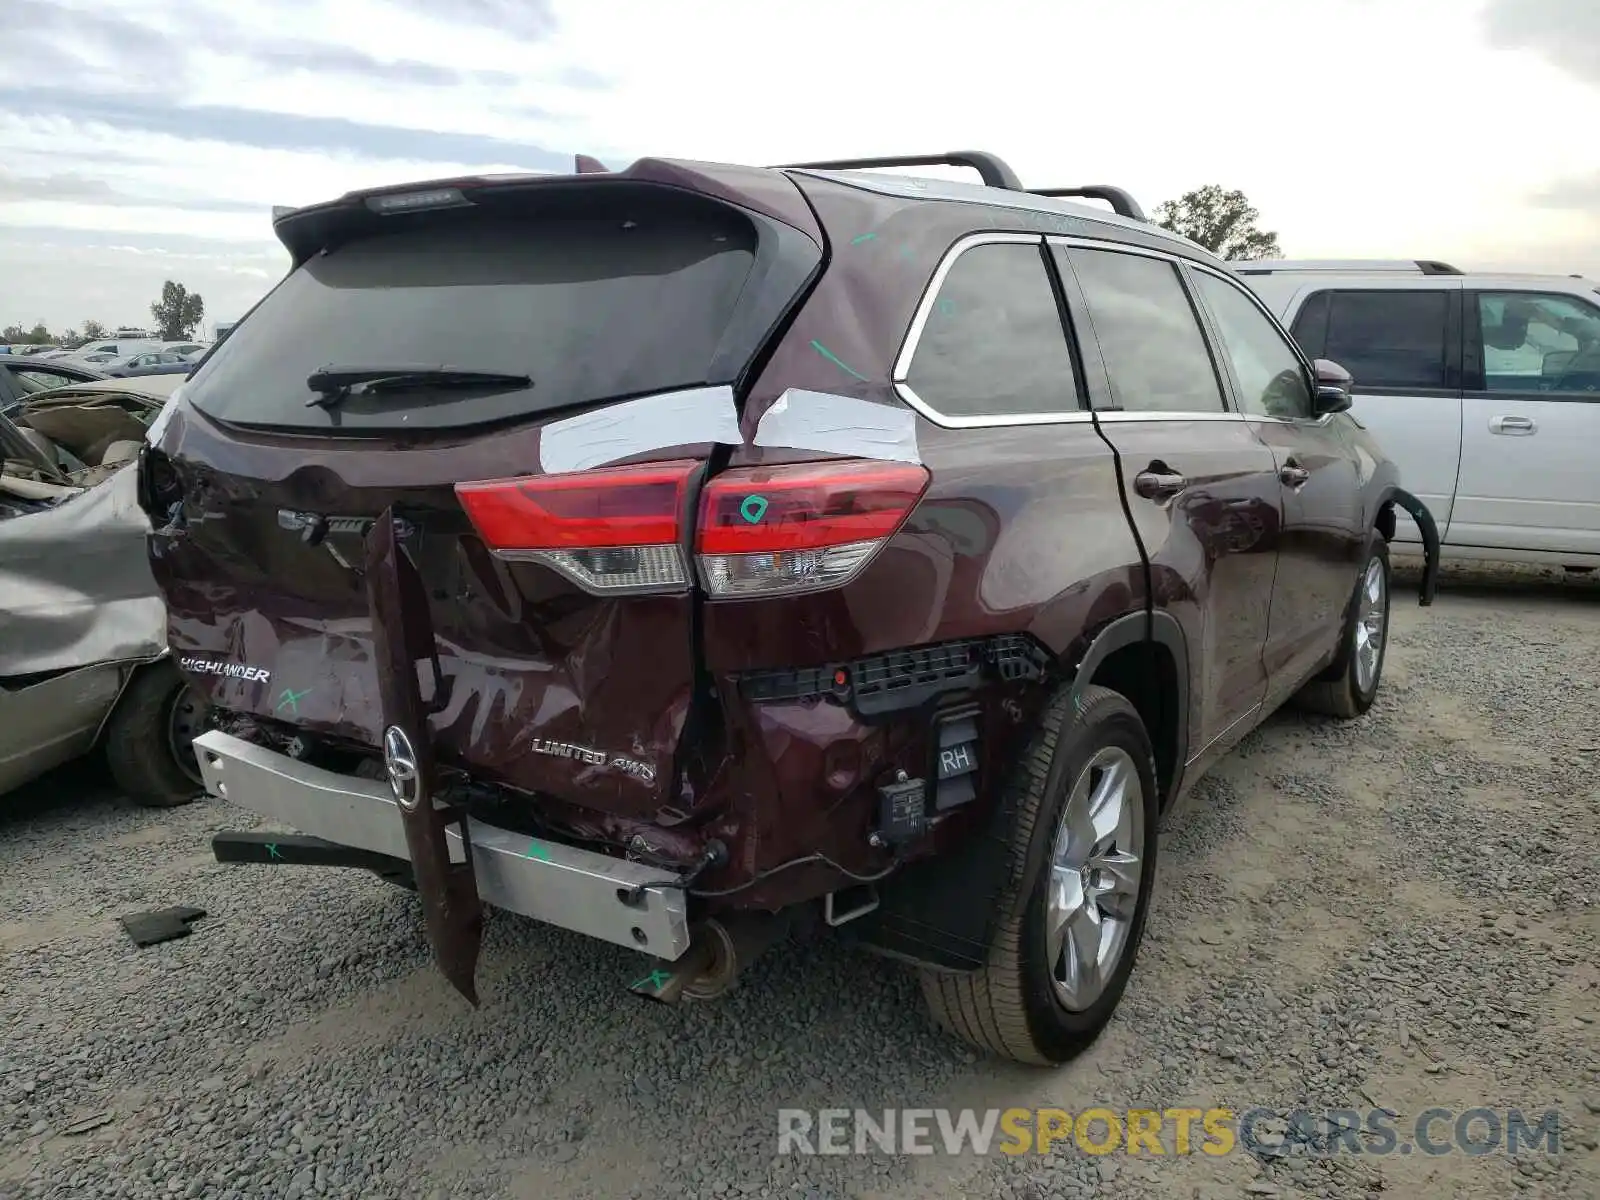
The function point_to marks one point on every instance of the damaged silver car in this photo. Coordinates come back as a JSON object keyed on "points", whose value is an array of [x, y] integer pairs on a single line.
{"points": [[83, 652]]}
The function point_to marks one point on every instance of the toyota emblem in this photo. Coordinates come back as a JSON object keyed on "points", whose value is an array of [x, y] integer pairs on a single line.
{"points": [[400, 761]]}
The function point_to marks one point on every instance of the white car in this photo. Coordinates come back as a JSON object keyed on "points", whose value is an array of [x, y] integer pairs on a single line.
{"points": [[1484, 388]]}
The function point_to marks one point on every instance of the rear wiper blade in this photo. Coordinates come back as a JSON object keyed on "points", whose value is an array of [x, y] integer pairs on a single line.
{"points": [[333, 384]]}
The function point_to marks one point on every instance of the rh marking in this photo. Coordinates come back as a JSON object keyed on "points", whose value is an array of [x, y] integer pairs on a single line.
{"points": [[954, 760]]}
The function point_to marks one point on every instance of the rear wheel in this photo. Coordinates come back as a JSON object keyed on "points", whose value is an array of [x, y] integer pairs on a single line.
{"points": [[1351, 685], [150, 738], [1086, 803]]}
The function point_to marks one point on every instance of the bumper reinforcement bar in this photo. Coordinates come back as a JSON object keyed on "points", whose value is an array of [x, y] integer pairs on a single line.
{"points": [[356, 822]]}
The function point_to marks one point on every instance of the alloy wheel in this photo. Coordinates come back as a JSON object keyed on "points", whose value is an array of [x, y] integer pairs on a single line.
{"points": [[1371, 615], [1095, 869]]}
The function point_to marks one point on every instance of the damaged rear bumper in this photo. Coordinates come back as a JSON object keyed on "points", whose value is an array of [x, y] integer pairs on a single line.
{"points": [[588, 893]]}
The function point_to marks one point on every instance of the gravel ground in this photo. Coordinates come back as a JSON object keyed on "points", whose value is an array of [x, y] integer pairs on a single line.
{"points": [[1400, 912]]}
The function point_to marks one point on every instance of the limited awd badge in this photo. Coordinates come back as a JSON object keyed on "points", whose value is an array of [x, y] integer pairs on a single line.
{"points": [[643, 772]]}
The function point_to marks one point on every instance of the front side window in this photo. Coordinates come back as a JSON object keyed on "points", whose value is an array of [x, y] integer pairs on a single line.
{"points": [[993, 344], [1148, 333], [1389, 339], [1272, 380], [1538, 342]]}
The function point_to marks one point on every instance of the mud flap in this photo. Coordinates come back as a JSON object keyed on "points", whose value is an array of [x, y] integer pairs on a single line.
{"points": [[1429, 529], [402, 638]]}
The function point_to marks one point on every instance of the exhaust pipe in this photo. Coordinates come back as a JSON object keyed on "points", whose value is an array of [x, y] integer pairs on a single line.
{"points": [[719, 949]]}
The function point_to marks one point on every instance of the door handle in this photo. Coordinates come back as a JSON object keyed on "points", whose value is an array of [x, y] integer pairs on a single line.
{"points": [[1512, 426], [1293, 476], [1158, 485]]}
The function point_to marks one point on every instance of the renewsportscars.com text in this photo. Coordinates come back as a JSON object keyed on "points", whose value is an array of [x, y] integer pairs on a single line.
{"points": [[1169, 1131]]}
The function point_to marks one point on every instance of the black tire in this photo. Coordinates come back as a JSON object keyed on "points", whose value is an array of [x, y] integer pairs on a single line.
{"points": [[149, 760], [1010, 1007], [1339, 691]]}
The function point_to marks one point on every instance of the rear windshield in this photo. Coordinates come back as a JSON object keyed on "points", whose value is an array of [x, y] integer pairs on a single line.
{"points": [[589, 308]]}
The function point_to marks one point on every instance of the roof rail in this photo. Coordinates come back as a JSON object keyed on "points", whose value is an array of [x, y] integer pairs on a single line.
{"points": [[1351, 266], [991, 168], [1122, 203]]}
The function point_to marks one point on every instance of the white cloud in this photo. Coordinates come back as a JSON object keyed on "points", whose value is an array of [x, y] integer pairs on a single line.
{"points": [[1430, 129]]}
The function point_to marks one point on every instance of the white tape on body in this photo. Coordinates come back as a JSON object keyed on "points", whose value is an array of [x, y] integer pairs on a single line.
{"points": [[834, 424], [682, 418]]}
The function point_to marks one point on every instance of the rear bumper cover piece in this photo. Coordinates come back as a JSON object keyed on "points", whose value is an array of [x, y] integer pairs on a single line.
{"points": [[574, 889]]}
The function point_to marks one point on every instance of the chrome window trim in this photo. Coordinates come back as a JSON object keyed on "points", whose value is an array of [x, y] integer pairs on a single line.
{"points": [[1083, 243], [1298, 422], [1081, 416], [919, 321], [998, 421], [1122, 416]]}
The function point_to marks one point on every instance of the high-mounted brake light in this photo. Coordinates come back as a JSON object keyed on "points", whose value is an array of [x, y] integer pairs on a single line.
{"points": [[393, 202], [613, 531], [771, 530]]}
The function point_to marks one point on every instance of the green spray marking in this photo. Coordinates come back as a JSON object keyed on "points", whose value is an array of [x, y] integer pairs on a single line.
{"points": [[834, 359], [657, 979], [272, 851], [292, 699], [753, 508], [862, 237], [537, 851]]}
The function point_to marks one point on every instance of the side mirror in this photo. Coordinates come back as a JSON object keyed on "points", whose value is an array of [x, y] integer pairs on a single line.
{"points": [[1333, 387]]}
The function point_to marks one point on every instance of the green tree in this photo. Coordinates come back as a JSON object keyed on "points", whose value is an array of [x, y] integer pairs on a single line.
{"points": [[93, 331], [1222, 221], [178, 313], [39, 335]]}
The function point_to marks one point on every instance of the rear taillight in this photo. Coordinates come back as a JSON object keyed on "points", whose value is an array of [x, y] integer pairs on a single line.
{"points": [[768, 530], [611, 531]]}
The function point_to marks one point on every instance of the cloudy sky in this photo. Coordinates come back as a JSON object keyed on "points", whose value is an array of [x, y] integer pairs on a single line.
{"points": [[142, 140]]}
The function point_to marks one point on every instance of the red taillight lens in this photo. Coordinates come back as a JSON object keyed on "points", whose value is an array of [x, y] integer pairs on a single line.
{"points": [[796, 528], [611, 531]]}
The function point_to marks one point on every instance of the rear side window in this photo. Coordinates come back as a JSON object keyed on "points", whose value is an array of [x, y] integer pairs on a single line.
{"points": [[1389, 339], [1148, 332], [993, 344], [590, 308]]}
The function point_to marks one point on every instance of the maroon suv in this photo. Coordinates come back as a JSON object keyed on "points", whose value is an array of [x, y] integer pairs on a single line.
{"points": [[680, 554]]}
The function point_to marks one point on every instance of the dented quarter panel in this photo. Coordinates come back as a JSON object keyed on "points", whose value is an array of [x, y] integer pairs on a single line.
{"points": [[977, 557], [984, 552]]}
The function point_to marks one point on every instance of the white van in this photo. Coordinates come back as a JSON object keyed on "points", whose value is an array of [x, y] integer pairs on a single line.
{"points": [[1484, 388]]}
